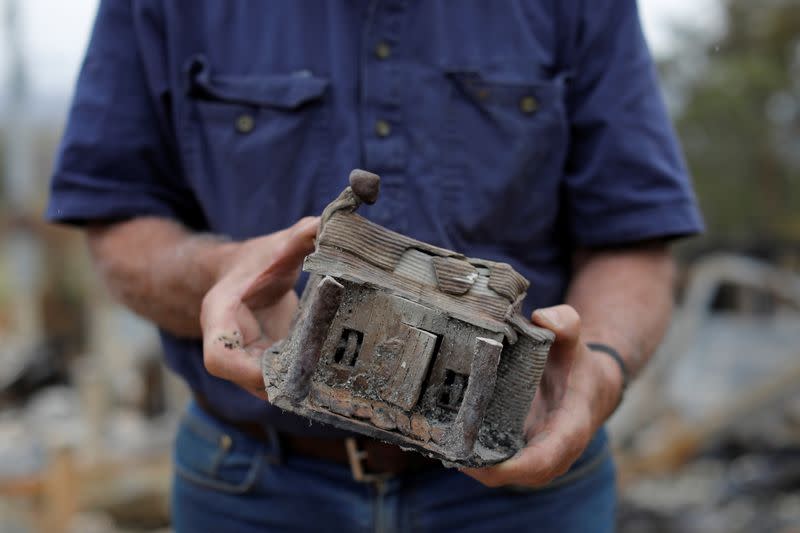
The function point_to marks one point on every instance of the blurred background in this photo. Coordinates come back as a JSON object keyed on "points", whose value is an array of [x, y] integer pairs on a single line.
{"points": [[708, 439]]}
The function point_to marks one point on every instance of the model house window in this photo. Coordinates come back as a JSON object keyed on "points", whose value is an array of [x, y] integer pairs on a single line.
{"points": [[452, 391], [348, 347]]}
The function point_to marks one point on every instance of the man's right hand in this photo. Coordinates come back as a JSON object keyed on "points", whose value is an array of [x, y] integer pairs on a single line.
{"points": [[252, 303]]}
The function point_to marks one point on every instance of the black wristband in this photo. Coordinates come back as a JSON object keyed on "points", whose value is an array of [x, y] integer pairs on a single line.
{"points": [[623, 368]]}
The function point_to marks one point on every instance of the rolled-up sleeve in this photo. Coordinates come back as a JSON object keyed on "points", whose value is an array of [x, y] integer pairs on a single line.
{"points": [[625, 178], [117, 159]]}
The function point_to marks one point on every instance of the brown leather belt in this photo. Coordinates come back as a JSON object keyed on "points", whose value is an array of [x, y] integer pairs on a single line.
{"points": [[370, 460]]}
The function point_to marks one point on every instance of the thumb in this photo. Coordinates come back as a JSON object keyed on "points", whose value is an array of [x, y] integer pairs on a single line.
{"points": [[298, 242], [563, 320]]}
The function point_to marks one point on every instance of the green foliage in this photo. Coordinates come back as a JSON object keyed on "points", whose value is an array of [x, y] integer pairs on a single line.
{"points": [[740, 122]]}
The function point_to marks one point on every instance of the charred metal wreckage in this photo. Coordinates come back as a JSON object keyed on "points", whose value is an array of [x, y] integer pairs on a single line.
{"points": [[407, 342]]}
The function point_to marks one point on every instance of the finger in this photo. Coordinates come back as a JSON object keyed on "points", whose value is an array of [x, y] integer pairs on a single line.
{"points": [[288, 256], [223, 314], [226, 359], [565, 322], [562, 320], [228, 326], [276, 320], [299, 243], [545, 457]]}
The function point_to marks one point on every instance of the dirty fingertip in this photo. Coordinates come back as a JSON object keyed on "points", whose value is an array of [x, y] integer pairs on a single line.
{"points": [[231, 340]]}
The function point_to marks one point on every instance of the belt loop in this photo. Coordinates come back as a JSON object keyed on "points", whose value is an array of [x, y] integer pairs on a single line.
{"points": [[357, 457], [276, 456]]}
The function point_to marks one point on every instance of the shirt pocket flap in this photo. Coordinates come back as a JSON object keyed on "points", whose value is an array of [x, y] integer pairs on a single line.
{"points": [[280, 91]]}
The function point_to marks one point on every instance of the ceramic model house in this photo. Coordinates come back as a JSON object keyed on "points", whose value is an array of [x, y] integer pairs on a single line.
{"points": [[407, 342]]}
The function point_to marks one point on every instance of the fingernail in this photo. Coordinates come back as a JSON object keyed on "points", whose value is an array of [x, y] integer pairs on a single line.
{"points": [[549, 316]]}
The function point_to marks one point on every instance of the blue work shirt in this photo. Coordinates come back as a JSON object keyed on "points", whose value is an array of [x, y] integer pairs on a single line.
{"points": [[514, 131]]}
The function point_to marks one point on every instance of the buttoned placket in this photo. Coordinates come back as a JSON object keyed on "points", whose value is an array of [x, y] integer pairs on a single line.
{"points": [[383, 131]]}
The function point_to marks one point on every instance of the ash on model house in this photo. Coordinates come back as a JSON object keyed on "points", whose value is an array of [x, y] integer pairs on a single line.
{"points": [[407, 342]]}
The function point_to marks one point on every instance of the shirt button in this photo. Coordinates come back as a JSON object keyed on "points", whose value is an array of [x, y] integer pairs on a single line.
{"points": [[245, 123], [382, 128], [383, 50], [528, 104]]}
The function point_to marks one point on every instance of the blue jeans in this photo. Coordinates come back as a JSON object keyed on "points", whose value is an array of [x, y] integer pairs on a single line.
{"points": [[227, 482]]}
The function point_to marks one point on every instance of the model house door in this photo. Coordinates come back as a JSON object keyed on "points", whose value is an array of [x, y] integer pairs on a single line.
{"points": [[416, 350]]}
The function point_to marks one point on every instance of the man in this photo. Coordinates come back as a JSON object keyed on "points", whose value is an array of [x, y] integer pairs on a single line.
{"points": [[205, 136]]}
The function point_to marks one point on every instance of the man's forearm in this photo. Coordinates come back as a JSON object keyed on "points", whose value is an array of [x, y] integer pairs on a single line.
{"points": [[158, 268], [624, 299]]}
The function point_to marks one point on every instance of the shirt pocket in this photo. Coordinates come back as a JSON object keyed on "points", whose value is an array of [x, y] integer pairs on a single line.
{"points": [[255, 147], [505, 145], [212, 459]]}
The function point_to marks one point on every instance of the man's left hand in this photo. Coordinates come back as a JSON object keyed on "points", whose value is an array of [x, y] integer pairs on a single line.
{"points": [[578, 392]]}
